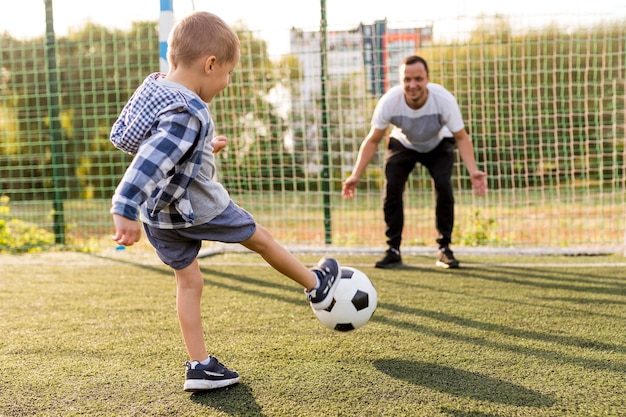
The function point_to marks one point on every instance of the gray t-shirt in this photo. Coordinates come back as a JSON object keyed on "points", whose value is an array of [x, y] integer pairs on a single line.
{"points": [[208, 197]]}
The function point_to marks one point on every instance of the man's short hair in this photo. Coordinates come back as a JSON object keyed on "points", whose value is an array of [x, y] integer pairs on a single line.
{"points": [[414, 59]]}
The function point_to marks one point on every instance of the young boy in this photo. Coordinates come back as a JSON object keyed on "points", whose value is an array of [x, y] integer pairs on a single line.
{"points": [[169, 184]]}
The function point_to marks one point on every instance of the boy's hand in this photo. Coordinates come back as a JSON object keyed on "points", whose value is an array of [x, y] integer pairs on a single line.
{"points": [[127, 231], [219, 143]]}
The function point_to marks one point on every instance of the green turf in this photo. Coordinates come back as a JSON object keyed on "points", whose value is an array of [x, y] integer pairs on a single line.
{"points": [[86, 335]]}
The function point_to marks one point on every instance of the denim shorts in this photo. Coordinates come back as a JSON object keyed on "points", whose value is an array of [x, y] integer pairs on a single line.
{"points": [[179, 247]]}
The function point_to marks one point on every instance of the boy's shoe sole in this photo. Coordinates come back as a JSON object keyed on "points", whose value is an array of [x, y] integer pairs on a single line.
{"points": [[195, 385]]}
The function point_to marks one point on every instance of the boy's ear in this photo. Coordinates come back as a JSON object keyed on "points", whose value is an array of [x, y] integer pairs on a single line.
{"points": [[208, 64]]}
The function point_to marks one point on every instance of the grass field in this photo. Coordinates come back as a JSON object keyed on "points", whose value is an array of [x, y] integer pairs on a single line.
{"points": [[96, 335]]}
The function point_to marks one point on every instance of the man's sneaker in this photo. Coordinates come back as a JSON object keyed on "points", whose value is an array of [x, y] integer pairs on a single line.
{"points": [[206, 377], [446, 258], [328, 272], [392, 259]]}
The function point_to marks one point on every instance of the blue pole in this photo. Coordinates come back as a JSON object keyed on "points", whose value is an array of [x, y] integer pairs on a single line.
{"points": [[166, 22]]}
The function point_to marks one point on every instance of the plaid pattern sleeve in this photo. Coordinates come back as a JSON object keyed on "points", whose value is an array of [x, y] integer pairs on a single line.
{"points": [[166, 162], [142, 109]]}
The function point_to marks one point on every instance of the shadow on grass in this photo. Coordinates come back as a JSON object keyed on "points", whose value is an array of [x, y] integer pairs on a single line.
{"points": [[588, 282], [529, 351], [236, 400], [161, 269], [292, 292], [582, 300], [443, 317], [462, 413], [462, 383]]}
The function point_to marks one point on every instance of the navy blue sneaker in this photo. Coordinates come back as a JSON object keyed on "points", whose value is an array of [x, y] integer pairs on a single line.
{"points": [[201, 377], [328, 272]]}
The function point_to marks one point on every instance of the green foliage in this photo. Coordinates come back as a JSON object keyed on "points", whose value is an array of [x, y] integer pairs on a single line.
{"points": [[17, 236], [99, 69], [543, 103], [539, 101], [480, 231]]}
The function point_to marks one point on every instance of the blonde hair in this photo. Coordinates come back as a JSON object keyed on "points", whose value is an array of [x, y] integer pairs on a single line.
{"points": [[201, 34]]}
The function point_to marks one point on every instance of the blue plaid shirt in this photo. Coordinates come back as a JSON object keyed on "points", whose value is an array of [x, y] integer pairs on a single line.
{"points": [[166, 129]]}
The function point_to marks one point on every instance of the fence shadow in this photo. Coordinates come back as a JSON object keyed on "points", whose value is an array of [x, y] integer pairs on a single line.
{"points": [[462, 383], [236, 400]]}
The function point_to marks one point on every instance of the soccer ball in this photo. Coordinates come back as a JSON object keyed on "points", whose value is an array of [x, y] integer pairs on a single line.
{"points": [[353, 304]]}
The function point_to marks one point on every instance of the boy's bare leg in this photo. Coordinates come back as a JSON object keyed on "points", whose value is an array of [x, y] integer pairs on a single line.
{"points": [[279, 258], [189, 285]]}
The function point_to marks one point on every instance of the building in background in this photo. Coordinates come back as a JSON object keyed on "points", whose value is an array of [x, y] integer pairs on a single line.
{"points": [[362, 64], [374, 50]]}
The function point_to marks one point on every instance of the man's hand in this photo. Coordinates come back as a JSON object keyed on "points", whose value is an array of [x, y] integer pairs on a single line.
{"points": [[127, 231], [479, 182], [349, 186]]}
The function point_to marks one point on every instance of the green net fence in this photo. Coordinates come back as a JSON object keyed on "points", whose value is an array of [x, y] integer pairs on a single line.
{"points": [[545, 107]]}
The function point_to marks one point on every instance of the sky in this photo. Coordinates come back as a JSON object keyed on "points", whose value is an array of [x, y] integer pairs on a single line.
{"points": [[274, 18]]}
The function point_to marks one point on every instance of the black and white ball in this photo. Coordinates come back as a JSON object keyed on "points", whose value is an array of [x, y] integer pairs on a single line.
{"points": [[354, 302]]}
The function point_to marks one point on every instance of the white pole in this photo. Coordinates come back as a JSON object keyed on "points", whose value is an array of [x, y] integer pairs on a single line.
{"points": [[166, 22]]}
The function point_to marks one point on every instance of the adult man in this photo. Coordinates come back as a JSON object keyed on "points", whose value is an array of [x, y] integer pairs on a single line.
{"points": [[423, 116]]}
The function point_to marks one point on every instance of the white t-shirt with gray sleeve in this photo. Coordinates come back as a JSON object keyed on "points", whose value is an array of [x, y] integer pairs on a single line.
{"points": [[422, 129]]}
